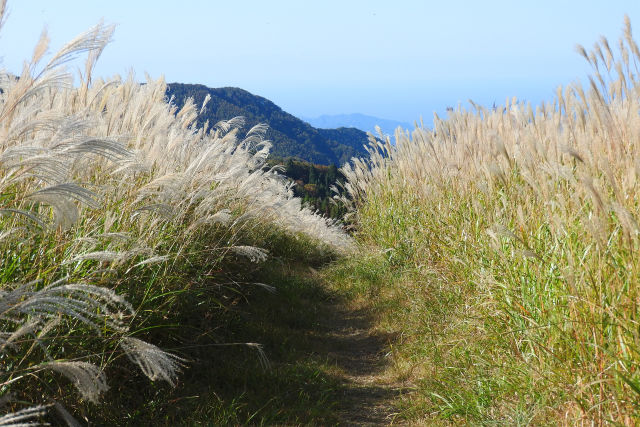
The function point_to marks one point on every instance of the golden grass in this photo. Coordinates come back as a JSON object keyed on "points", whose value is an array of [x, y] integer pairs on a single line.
{"points": [[535, 211], [104, 185]]}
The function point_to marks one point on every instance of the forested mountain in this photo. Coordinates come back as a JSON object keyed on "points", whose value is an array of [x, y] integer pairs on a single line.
{"points": [[291, 136]]}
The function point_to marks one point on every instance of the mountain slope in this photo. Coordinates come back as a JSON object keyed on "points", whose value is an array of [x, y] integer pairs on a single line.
{"points": [[291, 136], [359, 121]]}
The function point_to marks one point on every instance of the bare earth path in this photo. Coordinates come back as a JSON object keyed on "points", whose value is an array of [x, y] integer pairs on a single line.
{"points": [[361, 355], [330, 361]]}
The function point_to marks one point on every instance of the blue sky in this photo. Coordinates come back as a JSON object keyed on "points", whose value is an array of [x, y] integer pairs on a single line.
{"points": [[399, 60]]}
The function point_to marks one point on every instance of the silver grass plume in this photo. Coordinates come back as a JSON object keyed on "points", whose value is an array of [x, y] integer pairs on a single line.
{"points": [[92, 305], [227, 125], [253, 253], [262, 357], [223, 216], [93, 39], [156, 364], [65, 212], [89, 379], [30, 325], [108, 256], [66, 191]]}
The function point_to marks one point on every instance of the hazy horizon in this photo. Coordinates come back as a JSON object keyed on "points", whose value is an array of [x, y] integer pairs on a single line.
{"points": [[398, 62]]}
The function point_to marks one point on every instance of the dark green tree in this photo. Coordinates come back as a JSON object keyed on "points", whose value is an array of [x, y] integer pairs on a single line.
{"points": [[312, 175]]}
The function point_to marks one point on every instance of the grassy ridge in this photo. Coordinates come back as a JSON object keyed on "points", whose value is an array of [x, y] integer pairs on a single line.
{"points": [[522, 223]]}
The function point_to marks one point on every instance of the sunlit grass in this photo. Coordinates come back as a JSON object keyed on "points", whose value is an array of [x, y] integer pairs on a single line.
{"points": [[526, 217], [115, 209]]}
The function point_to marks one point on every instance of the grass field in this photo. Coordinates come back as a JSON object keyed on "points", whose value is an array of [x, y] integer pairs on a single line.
{"points": [[513, 234], [154, 272]]}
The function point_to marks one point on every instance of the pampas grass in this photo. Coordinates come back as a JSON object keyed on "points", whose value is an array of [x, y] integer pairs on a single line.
{"points": [[533, 210], [100, 182]]}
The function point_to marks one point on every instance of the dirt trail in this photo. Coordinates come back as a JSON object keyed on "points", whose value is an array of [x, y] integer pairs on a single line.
{"points": [[360, 353]]}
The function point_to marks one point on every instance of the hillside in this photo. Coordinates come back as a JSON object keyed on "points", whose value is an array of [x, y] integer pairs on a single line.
{"points": [[291, 136]]}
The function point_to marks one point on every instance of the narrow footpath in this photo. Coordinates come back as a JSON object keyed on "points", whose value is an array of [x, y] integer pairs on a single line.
{"points": [[329, 362], [362, 357]]}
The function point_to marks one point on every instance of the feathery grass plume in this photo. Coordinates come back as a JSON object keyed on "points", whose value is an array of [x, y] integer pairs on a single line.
{"points": [[29, 326], [102, 256], [89, 379], [153, 260], [204, 104], [93, 40], [61, 197], [94, 306], [226, 126], [112, 150], [264, 360], [251, 252], [154, 363], [223, 216]]}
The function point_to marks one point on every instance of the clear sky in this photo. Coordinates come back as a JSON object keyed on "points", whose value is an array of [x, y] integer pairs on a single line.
{"points": [[396, 59]]}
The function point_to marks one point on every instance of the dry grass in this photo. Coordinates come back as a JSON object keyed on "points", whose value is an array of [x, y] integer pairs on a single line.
{"points": [[533, 210], [106, 184]]}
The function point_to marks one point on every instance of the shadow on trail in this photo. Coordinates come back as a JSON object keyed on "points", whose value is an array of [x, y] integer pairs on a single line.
{"points": [[325, 361], [362, 355]]}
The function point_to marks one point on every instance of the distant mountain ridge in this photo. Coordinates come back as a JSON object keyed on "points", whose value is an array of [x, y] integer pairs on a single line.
{"points": [[291, 137], [356, 120]]}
